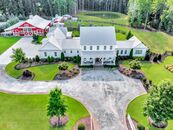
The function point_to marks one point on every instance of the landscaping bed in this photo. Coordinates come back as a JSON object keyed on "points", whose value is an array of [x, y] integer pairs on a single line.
{"points": [[42, 71], [135, 109], [28, 112], [155, 71]]}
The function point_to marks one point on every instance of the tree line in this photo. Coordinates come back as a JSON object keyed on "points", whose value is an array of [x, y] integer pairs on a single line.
{"points": [[157, 14], [23, 8]]}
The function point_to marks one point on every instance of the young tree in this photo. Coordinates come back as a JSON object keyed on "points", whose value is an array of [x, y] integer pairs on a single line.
{"points": [[62, 56], [18, 55], [159, 104], [56, 106]]}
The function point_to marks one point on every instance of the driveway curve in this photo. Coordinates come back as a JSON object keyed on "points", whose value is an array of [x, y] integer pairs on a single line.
{"points": [[105, 92]]}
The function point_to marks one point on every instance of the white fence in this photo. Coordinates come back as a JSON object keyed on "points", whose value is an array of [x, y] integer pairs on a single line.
{"points": [[132, 126]]}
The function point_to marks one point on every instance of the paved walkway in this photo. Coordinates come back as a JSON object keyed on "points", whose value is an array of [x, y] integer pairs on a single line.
{"points": [[105, 93], [31, 50]]}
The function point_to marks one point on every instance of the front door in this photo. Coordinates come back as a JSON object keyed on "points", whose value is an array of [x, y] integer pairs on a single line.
{"points": [[98, 61]]}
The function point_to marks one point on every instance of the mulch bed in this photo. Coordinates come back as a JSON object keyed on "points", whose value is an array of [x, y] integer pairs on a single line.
{"points": [[86, 121], [67, 74]]}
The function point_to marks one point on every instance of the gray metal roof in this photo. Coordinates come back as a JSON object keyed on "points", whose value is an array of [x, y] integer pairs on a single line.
{"points": [[97, 36], [73, 44]]}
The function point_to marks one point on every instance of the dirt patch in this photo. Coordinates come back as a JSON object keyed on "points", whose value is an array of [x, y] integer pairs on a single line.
{"points": [[86, 121]]}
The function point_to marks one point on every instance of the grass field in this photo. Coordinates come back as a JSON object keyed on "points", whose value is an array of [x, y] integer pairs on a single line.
{"points": [[29, 112], [156, 72], [103, 16], [42, 73], [135, 109], [7, 42], [158, 42]]}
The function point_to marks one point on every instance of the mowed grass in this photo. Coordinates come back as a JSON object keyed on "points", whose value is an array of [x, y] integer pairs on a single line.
{"points": [[135, 109], [7, 42], [156, 72], [157, 42], [42, 72], [29, 112], [103, 16]]}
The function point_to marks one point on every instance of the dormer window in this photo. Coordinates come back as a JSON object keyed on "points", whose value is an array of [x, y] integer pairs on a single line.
{"points": [[110, 47], [97, 47], [84, 47], [91, 48], [104, 47]]}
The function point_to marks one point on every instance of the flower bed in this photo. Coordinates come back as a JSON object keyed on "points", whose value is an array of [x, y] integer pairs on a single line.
{"points": [[169, 67]]}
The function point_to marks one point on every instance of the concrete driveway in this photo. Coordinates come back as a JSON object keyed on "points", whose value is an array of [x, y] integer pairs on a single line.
{"points": [[25, 43], [106, 93]]}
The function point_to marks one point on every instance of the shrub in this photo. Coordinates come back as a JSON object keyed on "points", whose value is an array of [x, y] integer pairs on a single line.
{"points": [[62, 56], [81, 127], [129, 35], [37, 58], [50, 59], [135, 64], [27, 73], [63, 66], [140, 127]]}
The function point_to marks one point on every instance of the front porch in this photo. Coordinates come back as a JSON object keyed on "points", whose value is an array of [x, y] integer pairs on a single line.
{"points": [[97, 58]]}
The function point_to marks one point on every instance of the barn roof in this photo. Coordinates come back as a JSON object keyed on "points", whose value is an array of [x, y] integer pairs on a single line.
{"points": [[36, 21]]}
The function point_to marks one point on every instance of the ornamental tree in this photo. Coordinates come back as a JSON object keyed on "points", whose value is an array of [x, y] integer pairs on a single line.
{"points": [[18, 55], [159, 104], [135, 64], [56, 106]]}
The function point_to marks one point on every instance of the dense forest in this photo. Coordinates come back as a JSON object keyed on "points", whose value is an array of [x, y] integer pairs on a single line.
{"points": [[24, 8], [154, 13]]}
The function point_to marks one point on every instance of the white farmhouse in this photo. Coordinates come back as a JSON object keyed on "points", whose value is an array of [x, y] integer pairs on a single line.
{"points": [[96, 45]]}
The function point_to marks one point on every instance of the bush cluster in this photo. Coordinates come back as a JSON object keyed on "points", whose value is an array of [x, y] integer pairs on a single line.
{"points": [[63, 66], [135, 64], [81, 127], [140, 127]]}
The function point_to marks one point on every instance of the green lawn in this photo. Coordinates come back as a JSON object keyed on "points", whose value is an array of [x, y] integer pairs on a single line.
{"points": [[42, 73], [135, 109], [158, 42], [29, 112], [7, 42], [103, 16], [156, 72]]}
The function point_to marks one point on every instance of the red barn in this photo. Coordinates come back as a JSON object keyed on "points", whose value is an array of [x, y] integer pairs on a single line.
{"points": [[34, 25]]}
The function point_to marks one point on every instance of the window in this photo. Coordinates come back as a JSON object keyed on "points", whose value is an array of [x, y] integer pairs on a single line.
{"points": [[77, 51], [97, 47], [84, 47], [91, 48], [121, 51], [45, 53], [71, 51], [138, 52], [84, 59], [125, 52], [104, 47], [110, 47], [64, 51], [55, 53]]}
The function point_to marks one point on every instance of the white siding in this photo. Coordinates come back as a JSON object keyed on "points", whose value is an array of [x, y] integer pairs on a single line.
{"points": [[139, 55], [49, 53], [94, 47], [123, 50], [71, 53]]}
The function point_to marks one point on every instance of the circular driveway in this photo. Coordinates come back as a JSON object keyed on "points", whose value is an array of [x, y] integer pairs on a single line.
{"points": [[105, 92]]}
